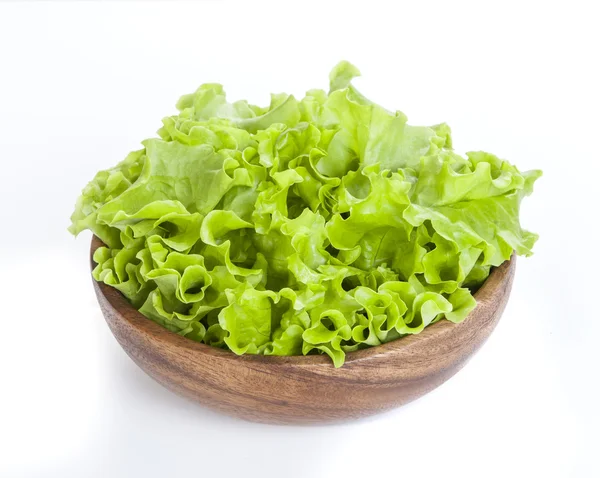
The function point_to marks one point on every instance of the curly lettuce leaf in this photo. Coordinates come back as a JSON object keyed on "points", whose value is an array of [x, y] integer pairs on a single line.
{"points": [[321, 225]]}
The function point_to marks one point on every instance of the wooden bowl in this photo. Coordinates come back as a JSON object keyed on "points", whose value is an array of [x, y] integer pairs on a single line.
{"points": [[292, 390]]}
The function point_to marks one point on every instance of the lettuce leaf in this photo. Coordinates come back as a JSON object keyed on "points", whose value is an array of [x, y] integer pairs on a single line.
{"points": [[321, 225]]}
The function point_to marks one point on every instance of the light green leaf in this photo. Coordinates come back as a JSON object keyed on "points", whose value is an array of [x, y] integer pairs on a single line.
{"points": [[315, 226]]}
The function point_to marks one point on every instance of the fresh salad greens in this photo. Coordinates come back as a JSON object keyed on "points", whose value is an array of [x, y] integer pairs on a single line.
{"points": [[321, 225]]}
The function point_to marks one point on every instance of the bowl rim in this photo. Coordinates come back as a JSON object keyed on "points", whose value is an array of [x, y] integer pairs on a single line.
{"points": [[484, 296]]}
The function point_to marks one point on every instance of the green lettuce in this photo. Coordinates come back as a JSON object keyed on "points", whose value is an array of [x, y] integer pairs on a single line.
{"points": [[321, 225]]}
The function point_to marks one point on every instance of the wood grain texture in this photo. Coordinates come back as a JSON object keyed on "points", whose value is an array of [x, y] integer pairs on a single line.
{"points": [[293, 390]]}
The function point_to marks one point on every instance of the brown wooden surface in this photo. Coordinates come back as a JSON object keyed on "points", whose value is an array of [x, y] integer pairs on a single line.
{"points": [[306, 389]]}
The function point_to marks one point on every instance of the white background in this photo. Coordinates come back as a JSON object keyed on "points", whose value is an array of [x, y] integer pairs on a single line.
{"points": [[82, 84]]}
